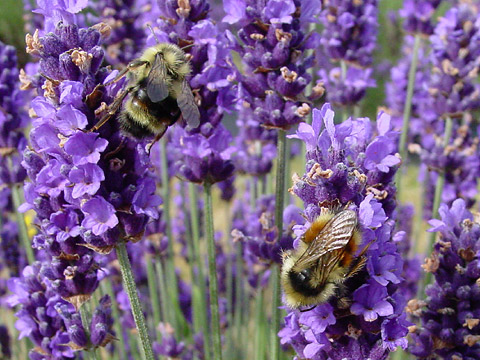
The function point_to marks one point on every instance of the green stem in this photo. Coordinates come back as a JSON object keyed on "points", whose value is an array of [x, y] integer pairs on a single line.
{"points": [[407, 110], [198, 310], [279, 200], [260, 341], [357, 111], [178, 321], [400, 354], [197, 260], [164, 298], [17, 201], [212, 273], [131, 289], [228, 353], [240, 301], [153, 291], [438, 193]]}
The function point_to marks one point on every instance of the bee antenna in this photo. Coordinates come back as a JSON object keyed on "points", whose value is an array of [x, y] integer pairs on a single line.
{"points": [[53, 81], [188, 46], [153, 33]]}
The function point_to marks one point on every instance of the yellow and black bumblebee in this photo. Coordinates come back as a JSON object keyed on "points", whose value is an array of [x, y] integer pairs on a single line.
{"points": [[157, 93], [324, 259]]}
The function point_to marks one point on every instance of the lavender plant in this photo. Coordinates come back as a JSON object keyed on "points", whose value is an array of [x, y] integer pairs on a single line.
{"points": [[91, 193], [453, 90], [369, 321], [15, 248], [449, 315], [348, 40], [257, 68]]}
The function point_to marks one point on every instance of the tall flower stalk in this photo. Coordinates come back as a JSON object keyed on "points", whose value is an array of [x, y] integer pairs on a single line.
{"points": [[92, 192], [129, 284], [202, 155], [449, 315], [272, 44], [13, 120], [418, 22], [453, 93]]}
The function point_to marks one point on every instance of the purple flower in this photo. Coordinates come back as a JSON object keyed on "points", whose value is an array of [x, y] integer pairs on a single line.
{"points": [[63, 225], [370, 301], [349, 36], [100, 215], [37, 315], [169, 346], [320, 317], [205, 160], [89, 190], [85, 148], [145, 201], [126, 33], [418, 15], [274, 62], [87, 179], [101, 325], [394, 332], [279, 11], [378, 155], [255, 228], [317, 342]]}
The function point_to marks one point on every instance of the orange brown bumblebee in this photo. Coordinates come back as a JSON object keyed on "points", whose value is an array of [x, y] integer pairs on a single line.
{"points": [[324, 259]]}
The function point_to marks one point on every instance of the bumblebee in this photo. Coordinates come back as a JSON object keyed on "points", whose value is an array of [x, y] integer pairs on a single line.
{"points": [[325, 258], [157, 93]]}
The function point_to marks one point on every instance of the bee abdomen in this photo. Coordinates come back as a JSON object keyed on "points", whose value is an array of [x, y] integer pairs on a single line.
{"points": [[133, 127]]}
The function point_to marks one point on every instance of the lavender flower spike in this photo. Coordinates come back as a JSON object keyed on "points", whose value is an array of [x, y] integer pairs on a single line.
{"points": [[352, 163], [348, 40], [91, 191], [450, 315], [13, 120]]}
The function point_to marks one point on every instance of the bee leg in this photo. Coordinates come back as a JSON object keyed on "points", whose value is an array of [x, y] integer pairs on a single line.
{"points": [[117, 150], [112, 110], [165, 122], [356, 267], [157, 137], [311, 308]]}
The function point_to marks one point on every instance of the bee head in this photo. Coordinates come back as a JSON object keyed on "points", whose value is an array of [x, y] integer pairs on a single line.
{"points": [[301, 281], [302, 277]]}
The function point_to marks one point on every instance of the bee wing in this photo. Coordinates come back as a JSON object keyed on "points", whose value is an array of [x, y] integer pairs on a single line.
{"points": [[327, 262], [329, 245], [157, 87], [186, 103]]}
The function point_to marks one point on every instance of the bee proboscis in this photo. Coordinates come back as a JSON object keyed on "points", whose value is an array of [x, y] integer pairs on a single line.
{"points": [[324, 259]]}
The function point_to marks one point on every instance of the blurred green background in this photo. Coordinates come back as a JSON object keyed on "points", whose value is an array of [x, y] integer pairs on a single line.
{"points": [[11, 26]]}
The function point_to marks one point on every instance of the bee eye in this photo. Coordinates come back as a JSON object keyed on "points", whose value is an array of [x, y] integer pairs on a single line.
{"points": [[303, 276]]}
